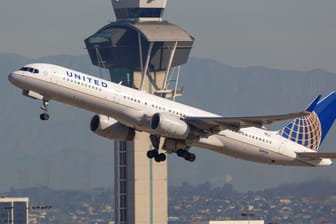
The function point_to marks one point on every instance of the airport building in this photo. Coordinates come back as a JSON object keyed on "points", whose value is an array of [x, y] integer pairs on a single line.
{"points": [[140, 50], [14, 210]]}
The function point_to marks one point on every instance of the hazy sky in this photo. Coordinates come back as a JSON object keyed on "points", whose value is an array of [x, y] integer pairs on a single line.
{"points": [[296, 34], [288, 34]]}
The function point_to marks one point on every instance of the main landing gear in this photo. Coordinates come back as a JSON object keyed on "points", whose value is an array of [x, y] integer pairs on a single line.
{"points": [[186, 155], [160, 157], [154, 153], [45, 115]]}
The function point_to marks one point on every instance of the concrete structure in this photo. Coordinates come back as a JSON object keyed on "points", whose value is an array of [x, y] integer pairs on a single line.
{"points": [[140, 50], [14, 210]]}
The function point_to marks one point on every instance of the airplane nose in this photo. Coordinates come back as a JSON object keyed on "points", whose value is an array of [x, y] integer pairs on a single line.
{"points": [[13, 78]]}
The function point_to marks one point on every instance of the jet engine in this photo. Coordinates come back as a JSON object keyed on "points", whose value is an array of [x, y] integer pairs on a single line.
{"points": [[167, 125], [110, 128]]}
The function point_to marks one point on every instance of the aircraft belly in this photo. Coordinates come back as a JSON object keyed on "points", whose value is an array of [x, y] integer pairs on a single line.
{"points": [[247, 151], [126, 115]]}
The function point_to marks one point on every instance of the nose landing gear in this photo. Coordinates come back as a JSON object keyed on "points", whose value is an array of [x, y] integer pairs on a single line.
{"points": [[45, 115]]}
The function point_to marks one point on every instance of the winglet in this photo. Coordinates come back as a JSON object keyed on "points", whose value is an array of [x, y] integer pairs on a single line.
{"points": [[313, 104]]}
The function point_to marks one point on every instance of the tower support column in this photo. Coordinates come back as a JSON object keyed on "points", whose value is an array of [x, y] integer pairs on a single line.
{"points": [[140, 183], [140, 49]]}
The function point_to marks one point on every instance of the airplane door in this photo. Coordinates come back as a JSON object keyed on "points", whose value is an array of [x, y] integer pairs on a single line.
{"points": [[50, 76]]}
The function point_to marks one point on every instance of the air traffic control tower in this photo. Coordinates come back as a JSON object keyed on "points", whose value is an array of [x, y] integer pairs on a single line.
{"points": [[140, 50]]}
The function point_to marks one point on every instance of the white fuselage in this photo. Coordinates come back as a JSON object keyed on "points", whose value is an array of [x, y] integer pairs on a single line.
{"points": [[132, 107]]}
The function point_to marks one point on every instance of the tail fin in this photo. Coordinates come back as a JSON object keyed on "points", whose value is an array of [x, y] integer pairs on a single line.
{"points": [[310, 130]]}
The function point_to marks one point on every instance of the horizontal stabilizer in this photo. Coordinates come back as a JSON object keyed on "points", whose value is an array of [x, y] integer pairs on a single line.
{"points": [[317, 155]]}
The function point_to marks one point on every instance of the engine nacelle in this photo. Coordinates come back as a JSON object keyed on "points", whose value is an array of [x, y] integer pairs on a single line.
{"points": [[110, 128], [167, 125]]}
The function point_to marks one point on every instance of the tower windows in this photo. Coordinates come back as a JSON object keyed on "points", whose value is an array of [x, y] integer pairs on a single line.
{"points": [[124, 13]]}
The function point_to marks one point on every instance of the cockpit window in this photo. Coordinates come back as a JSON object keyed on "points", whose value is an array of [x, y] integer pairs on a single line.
{"points": [[29, 69]]}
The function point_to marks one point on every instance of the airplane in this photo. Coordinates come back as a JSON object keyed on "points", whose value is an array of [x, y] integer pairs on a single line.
{"points": [[122, 110]]}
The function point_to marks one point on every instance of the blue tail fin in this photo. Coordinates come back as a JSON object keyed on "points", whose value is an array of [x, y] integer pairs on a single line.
{"points": [[310, 130]]}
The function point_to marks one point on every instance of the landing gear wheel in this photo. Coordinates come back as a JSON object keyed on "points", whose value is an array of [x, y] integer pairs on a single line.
{"points": [[151, 154], [191, 157], [158, 157], [181, 153], [44, 116], [162, 157]]}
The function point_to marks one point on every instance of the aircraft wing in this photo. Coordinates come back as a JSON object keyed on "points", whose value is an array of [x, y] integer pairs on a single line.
{"points": [[317, 155], [216, 124]]}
